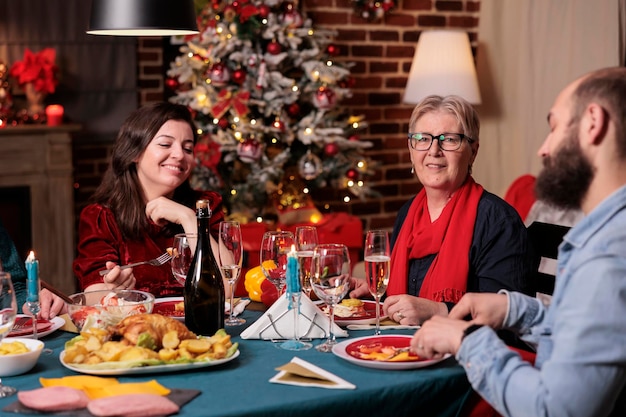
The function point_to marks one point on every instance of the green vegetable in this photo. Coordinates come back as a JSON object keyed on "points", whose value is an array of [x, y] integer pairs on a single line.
{"points": [[145, 340], [72, 341]]}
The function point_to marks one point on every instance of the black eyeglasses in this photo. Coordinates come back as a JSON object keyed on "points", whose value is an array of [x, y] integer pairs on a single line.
{"points": [[447, 141]]}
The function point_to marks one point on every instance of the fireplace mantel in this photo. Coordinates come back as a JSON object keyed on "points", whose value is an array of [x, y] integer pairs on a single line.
{"points": [[40, 158]]}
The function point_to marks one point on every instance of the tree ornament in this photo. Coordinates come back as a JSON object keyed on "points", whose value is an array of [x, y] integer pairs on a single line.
{"points": [[219, 74], [249, 150], [331, 149], [333, 50], [172, 83], [291, 17], [223, 123], [239, 76], [310, 166], [324, 98], [352, 174], [293, 110], [264, 11], [274, 48], [354, 138], [278, 124]]}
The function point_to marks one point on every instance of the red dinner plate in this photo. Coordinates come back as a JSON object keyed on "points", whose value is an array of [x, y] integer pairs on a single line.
{"points": [[25, 324], [373, 345], [167, 307], [348, 350], [367, 317]]}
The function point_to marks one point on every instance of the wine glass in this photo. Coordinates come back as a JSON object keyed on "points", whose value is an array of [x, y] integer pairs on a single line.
{"points": [[231, 257], [8, 310], [330, 281], [377, 259], [275, 247], [306, 241], [183, 249]]}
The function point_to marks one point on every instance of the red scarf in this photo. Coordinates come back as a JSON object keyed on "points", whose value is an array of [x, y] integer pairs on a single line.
{"points": [[446, 279]]}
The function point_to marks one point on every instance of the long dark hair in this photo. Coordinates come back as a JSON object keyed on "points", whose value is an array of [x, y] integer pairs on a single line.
{"points": [[120, 189]]}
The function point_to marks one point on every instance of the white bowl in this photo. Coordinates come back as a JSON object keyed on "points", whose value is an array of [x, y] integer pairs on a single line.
{"points": [[23, 362]]}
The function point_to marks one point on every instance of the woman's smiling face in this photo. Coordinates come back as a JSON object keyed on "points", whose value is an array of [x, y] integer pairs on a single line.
{"points": [[167, 161], [437, 169]]}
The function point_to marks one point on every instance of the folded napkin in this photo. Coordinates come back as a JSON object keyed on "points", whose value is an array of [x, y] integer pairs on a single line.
{"points": [[302, 373], [312, 324], [240, 306]]}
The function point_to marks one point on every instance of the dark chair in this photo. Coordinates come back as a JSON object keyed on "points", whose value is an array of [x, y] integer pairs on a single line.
{"points": [[545, 239]]}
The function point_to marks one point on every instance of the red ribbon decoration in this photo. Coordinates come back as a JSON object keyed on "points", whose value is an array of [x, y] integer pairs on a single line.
{"points": [[226, 100]]}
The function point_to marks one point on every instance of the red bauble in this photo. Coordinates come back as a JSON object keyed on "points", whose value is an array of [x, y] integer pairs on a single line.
{"points": [[293, 109], [331, 149], [352, 174], [172, 83], [274, 48], [223, 123], [264, 10], [278, 124], [249, 150], [239, 76], [333, 50], [218, 74], [354, 138], [324, 98], [292, 18]]}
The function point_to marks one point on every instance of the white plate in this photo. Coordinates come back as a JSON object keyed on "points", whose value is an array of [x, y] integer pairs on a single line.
{"points": [[147, 369], [57, 323], [164, 305], [341, 350], [369, 318]]}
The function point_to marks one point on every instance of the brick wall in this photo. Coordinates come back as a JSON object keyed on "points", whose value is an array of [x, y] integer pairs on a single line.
{"points": [[382, 53]]}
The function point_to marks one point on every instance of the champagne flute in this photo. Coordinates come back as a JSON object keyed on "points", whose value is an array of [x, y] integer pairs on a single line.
{"points": [[275, 247], [231, 257], [330, 282], [377, 259], [306, 241], [8, 310], [183, 249]]}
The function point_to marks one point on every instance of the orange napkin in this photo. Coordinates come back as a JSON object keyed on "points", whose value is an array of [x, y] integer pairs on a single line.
{"points": [[97, 387]]}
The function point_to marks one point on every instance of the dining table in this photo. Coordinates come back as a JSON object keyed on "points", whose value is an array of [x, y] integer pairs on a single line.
{"points": [[241, 386]]}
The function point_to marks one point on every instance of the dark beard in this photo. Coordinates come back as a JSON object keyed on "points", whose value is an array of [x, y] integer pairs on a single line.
{"points": [[566, 177]]}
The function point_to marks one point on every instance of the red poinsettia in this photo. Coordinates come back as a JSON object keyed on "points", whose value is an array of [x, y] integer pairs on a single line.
{"points": [[37, 68], [208, 152]]}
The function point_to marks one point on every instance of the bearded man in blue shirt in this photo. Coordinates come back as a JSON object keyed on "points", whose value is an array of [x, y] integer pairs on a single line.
{"points": [[580, 368]]}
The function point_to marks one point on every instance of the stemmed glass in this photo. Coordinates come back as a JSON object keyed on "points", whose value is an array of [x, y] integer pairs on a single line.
{"points": [[330, 282], [306, 241], [8, 310], [377, 259], [231, 256], [183, 249], [275, 247]]}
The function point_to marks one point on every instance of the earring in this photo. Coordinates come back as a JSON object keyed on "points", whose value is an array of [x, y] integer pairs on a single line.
{"points": [[412, 169]]}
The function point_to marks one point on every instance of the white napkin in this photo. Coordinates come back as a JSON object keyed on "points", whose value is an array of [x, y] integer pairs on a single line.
{"points": [[302, 373], [240, 306], [283, 319]]}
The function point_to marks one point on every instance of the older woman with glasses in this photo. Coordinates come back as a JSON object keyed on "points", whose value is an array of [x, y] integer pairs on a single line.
{"points": [[453, 237]]}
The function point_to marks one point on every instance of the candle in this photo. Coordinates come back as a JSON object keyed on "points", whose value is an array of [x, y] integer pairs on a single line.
{"points": [[32, 278], [293, 276], [54, 115]]}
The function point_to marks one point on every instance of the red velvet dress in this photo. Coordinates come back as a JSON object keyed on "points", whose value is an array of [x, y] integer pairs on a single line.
{"points": [[100, 240]]}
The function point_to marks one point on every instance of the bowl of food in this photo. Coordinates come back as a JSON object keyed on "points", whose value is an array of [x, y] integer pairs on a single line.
{"points": [[105, 308], [18, 355]]}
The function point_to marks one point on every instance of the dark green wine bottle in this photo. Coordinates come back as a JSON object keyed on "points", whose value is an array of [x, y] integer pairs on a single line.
{"points": [[204, 288]]}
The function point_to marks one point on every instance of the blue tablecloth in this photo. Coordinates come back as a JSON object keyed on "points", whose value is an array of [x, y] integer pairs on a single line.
{"points": [[241, 387]]}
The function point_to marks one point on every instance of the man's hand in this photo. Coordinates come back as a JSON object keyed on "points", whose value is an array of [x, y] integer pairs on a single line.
{"points": [[483, 308], [438, 336]]}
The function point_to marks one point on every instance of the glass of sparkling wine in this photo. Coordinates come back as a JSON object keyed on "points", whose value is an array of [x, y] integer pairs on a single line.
{"points": [[306, 241], [377, 259], [231, 257], [8, 310], [183, 249]]}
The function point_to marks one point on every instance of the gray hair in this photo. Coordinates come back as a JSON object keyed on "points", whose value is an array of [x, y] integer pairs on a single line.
{"points": [[457, 106]]}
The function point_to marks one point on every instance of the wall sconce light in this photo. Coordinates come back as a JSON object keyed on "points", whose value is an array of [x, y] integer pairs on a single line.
{"points": [[442, 65], [142, 18]]}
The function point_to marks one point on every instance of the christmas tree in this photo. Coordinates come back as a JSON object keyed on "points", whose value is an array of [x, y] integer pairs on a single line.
{"points": [[265, 90]]}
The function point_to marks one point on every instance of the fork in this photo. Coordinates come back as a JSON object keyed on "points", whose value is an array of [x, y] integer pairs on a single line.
{"points": [[154, 262]]}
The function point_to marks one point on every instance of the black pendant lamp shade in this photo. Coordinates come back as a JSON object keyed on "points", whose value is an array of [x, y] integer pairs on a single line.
{"points": [[142, 18]]}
